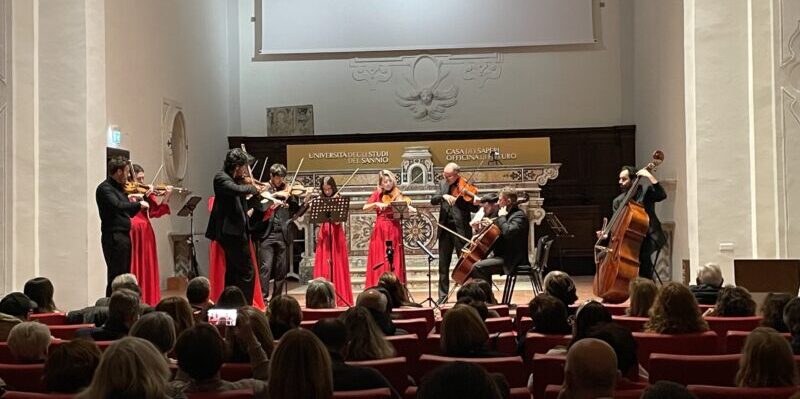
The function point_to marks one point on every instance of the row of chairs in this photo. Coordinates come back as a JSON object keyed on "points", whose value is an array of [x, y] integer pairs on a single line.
{"points": [[702, 392], [381, 393]]}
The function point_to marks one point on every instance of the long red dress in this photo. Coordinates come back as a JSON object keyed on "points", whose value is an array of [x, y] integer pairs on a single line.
{"points": [[144, 256], [386, 229], [331, 244]]}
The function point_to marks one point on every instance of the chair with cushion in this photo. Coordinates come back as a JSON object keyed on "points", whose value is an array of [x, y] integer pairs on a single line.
{"points": [[395, 370], [415, 313], [616, 309], [235, 394], [552, 391], [734, 340], [235, 371], [501, 309], [694, 369], [493, 324], [5, 354], [23, 377], [721, 325], [546, 370], [67, 332], [635, 324], [534, 272], [524, 325], [379, 393], [52, 319], [715, 392], [406, 346], [317, 314], [704, 343], [541, 343], [417, 326], [35, 395], [511, 367]]}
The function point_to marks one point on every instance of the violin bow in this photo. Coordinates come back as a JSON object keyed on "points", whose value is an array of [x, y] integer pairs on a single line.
{"points": [[160, 168], [295, 174], [453, 232], [345, 182], [262, 168]]}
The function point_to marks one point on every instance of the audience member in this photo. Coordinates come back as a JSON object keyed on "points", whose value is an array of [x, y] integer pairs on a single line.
{"points": [[561, 286], [675, 311], [590, 314], [127, 281], [479, 306], [260, 325], [333, 334], [766, 361], [642, 293], [130, 368], [284, 315], [301, 368], [158, 328], [474, 291], [15, 308], [772, 311], [179, 309], [98, 314], [733, 302], [590, 370], [709, 281], [123, 311], [201, 351], [71, 365], [28, 342], [364, 339], [791, 316], [464, 334], [40, 290], [397, 292], [198, 293], [320, 294], [458, 380], [231, 297], [667, 390], [621, 340], [487, 290], [376, 301], [549, 315]]}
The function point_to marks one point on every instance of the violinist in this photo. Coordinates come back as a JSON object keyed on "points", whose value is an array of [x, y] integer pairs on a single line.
{"points": [[511, 248], [386, 252], [144, 256], [228, 223], [273, 230], [115, 219], [331, 251], [456, 204]]}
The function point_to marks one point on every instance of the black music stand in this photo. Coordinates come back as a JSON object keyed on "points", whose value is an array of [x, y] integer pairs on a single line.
{"points": [[330, 210], [430, 290], [559, 230], [188, 210], [399, 210]]}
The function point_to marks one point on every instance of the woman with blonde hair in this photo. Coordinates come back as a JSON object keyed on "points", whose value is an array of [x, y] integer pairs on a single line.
{"points": [[675, 311], [180, 310], [28, 342], [766, 361], [260, 326], [320, 294], [301, 368], [365, 339], [386, 242], [130, 368], [643, 293], [464, 334]]}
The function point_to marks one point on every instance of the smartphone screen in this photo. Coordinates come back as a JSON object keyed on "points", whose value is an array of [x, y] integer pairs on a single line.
{"points": [[222, 317]]}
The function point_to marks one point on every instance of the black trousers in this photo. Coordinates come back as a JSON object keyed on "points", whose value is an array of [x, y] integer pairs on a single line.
{"points": [[238, 265], [117, 252], [646, 267], [485, 268], [273, 263], [447, 244]]}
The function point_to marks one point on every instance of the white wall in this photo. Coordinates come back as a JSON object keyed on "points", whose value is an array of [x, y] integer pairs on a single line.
{"points": [[554, 87]]}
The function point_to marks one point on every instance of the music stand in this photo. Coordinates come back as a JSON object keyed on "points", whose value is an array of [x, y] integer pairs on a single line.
{"points": [[399, 209], [188, 210], [330, 210]]}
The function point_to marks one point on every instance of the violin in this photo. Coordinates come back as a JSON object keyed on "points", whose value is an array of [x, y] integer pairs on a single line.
{"points": [[464, 190], [394, 195], [136, 188]]}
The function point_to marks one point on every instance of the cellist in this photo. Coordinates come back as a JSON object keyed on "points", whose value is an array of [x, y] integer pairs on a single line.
{"points": [[511, 248], [648, 193]]}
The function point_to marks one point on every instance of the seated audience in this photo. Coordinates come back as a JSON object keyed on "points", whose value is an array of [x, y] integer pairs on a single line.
{"points": [[772, 311], [179, 309], [588, 315], [549, 315], [398, 293], [40, 290], [301, 368], [260, 326], [791, 316], [479, 306], [590, 370], [320, 294], [71, 365], [129, 368], [198, 293], [98, 314], [127, 281], [364, 340], [123, 311], [709, 281], [28, 342], [15, 308], [733, 302], [464, 334], [231, 297], [459, 380], [560, 285], [333, 334], [376, 301], [766, 361], [487, 290], [284, 314], [158, 328], [675, 311], [201, 351], [667, 390], [473, 290], [621, 340], [642, 293]]}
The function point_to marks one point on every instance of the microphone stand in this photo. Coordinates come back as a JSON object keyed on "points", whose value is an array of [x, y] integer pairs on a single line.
{"points": [[429, 299]]}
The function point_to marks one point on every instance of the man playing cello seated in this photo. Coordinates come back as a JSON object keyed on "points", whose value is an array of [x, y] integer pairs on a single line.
{"points": [[511, 248]]}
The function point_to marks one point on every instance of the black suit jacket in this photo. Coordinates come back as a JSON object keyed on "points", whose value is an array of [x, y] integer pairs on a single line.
{"points": [[512, 245], [229, 215], [456, 216], [115, 209], [648, 195], [261, 228]]}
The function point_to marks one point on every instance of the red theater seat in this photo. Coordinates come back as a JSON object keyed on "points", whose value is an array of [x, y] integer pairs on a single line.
{"points": [[541, 343], [55, 318], [34, 395], [501, 310], [316, 314], [380, 393], [635, 324], [721, 325], [714, 392], [235, 371], [694, 369], [734, 340], [547, 370], [417, 326], [67, 332], [551, 392], [511, 367], [23, 377], [493, 324], [415, 313], [235, 394], [499, 342], [407, 346], [680, 344], [616, 309], [394, 369]]}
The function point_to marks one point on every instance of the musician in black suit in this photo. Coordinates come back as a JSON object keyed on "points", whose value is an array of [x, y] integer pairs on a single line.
{"points": [[116, 211], [511, 248], [454, 213], [228, 222], [648, 193]]}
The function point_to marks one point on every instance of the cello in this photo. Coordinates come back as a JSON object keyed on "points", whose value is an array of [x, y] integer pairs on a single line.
{"points": [[616, 253]]}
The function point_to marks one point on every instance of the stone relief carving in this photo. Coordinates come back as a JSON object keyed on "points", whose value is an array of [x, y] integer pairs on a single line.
{"points": [[426, 99]]}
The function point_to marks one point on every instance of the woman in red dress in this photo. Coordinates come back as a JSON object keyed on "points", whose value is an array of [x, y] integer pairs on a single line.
{"points": [[332, 250], [144, 256], [387, 228]]}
